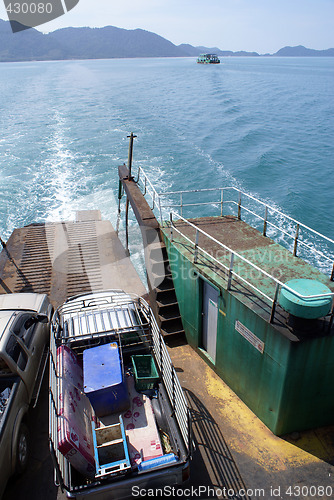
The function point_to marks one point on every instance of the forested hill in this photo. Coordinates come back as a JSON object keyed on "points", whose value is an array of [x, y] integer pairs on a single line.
{"points": [[108, 42]]}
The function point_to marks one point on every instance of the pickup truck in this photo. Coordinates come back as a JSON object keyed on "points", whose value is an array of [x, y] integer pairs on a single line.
{"points": [[119, 420], [24, 337]]}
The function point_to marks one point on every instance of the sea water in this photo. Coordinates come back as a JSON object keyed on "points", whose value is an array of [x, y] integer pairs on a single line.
{"points": [[262, 124]]}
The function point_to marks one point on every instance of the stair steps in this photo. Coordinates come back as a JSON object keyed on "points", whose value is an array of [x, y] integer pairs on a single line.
{"points": [[168, 313]]}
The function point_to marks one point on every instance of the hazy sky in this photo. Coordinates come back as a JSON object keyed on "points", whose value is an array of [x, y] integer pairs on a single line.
{"points": [[253, 25]]}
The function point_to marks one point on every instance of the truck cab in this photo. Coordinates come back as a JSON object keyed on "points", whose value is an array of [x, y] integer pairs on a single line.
{"points": [[24, 335]]}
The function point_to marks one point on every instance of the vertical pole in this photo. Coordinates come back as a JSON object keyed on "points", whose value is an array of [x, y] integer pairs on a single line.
{"points": [[230, 272], [332, 275], [138, 175], [171, 226], [239, 206], [150, 330], [296, 241], [221, 203], [120, 193], [265, 221], [173, 388], [160, 210], [196, 246], [332, 317], [189, 433], [160, 352], [273, 309], [131, 137], [127, 226]]}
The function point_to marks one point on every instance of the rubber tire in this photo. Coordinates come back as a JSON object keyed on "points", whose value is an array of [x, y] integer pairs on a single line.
{"points": [[22, 449], [159, 415]]}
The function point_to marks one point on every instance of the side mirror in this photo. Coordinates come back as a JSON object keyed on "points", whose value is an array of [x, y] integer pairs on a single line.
{"points": [[42, 318]]}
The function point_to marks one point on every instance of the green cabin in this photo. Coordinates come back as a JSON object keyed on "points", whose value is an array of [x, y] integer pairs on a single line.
{"points": [[254, 302]]}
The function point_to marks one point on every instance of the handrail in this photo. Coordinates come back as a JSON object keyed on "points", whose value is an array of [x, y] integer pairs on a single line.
{"points": [[155, 195], [159, 198], [278, 284], [168, 193], [254, 266], [230, 268]]}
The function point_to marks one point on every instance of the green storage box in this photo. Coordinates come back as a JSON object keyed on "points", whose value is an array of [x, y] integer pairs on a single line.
{"points": [[145, 371]]}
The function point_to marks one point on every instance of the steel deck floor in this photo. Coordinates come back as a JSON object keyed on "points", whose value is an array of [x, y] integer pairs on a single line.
{"points": [[67, 258], [234, 450]]}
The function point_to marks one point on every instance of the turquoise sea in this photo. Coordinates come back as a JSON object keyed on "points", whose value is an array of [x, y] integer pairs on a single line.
{"points": [[265, 125]]}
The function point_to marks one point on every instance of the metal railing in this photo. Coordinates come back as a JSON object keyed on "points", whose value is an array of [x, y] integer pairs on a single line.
{"points": [[295, 234], [172, 384], [231, 273], [298, 234], [144, 182]]}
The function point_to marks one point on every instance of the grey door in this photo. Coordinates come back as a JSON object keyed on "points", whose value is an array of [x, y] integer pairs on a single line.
{"points": [[210, 316]]}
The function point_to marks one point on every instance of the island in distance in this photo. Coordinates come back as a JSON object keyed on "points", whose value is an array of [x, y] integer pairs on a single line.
{"points": [[111, 42]]}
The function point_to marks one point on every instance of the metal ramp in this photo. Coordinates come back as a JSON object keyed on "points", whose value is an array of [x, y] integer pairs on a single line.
{"points": [[66, 258]]}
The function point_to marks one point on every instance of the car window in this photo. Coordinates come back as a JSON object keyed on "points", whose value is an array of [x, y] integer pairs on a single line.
{"points": [[24, 327], [15, 351], [3, 367]]}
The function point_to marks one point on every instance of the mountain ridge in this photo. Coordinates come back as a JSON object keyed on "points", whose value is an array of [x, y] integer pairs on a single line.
{"points": [[112, 42]]}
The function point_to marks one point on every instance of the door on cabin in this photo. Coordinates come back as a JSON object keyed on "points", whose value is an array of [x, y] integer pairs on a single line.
{"points": [[209, 319]]}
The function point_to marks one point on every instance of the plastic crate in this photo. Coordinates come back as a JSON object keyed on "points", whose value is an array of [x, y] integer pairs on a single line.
{"points": [[104, 382], [145, 372]]}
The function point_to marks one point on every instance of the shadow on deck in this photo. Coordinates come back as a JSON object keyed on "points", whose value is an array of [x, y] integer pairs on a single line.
{"points": [[213, 464]]}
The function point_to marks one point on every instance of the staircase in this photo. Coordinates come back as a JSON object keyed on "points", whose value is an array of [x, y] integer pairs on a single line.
{"points": [[166, 304], [163, 299]]}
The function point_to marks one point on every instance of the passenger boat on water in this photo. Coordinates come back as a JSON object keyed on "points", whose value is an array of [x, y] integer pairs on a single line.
{"points": [[208, 59]]}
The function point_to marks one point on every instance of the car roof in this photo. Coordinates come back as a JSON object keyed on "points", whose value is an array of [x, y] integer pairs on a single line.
{"points": [[5, 317], [19, 301]]}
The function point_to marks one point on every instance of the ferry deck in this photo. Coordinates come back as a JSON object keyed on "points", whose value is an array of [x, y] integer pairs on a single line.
{"points": [[234, 451]]}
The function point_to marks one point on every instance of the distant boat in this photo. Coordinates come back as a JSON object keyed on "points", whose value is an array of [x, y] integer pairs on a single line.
{"points": [[208, 59]]}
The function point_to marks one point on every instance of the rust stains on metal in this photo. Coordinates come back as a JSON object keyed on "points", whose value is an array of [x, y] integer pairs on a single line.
{"points": [[140, 207], [253, 246], [246, 281], [232, 232]]}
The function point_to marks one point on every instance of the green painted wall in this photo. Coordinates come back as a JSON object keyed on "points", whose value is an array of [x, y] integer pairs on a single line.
{"points": [[258, 378], [288, 386], [308, 399]]}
